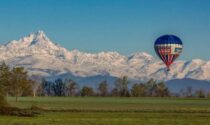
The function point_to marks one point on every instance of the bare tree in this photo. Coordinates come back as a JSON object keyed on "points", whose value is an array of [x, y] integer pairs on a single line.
{"points": [[150, 87], [189, 92], [103, 88], [59, 87], [40, 90], [72, 87], [47, 87], [121, 85]]}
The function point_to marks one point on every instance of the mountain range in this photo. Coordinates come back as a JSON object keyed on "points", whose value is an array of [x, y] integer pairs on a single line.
{"points": [[44, 58]]}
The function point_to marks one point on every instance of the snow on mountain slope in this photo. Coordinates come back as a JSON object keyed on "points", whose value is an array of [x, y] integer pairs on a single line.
{"points": [[33, 44], [41, 57]]}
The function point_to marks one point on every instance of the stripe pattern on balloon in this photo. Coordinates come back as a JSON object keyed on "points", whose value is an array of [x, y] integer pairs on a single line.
{"points": [[168, 48]]}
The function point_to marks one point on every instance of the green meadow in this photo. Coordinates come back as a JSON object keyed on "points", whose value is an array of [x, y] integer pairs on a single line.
{"points": [[111, 111]]}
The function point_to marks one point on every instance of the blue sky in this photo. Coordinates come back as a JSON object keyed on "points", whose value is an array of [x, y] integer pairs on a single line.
{"points": [[125, 26]]}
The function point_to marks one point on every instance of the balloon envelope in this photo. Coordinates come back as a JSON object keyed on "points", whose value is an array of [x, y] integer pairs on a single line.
{"points": [[168, 48]]}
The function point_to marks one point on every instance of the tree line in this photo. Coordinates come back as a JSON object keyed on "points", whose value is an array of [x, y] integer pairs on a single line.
{"points": [[122, 88], [16, 82], [69, 87]]}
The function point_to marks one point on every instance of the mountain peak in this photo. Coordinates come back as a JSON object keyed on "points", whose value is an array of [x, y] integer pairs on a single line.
{"points": [[140, 55], [41, 56], [33, 44], [39, 36], [37, 33], [40, 32]]}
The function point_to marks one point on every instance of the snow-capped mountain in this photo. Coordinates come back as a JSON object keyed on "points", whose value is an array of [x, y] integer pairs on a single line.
{"points": [[43, 58]]}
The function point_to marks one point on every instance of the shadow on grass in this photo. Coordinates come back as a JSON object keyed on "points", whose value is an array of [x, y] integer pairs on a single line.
{"points": [[14, 111]]}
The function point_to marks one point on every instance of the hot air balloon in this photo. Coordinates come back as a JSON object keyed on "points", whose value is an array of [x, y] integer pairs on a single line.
{"points": [[168, 48]]}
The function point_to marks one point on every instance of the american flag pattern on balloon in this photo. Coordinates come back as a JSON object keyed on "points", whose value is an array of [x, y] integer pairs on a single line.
{"points": [[168, 48]]}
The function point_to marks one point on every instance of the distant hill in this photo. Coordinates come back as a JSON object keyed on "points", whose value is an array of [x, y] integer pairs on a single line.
{"points": [[92, 81], [177, 84]]}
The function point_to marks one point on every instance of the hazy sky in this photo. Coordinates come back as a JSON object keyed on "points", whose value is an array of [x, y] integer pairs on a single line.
{"points": [[125, 26]]}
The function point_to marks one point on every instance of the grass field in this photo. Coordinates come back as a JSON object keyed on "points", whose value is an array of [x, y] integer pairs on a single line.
{"points": [[112, 111]]}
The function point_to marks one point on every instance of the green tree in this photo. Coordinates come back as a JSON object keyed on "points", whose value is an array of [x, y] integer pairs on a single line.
{"points": [[19, 82], [114, 92], [4, 82], [200, 93], [103, 88], [138, 90], [5, 78], [161, 90], [2, 98], [87, 91], [28, 91], [156, 89], [208, 94]]}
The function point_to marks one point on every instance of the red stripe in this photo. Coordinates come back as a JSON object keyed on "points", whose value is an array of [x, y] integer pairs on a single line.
{"points": [[171, 57], [163, 58]]}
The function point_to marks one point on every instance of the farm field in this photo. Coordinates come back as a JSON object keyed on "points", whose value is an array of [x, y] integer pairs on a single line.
{"points": [[111, 111]]}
